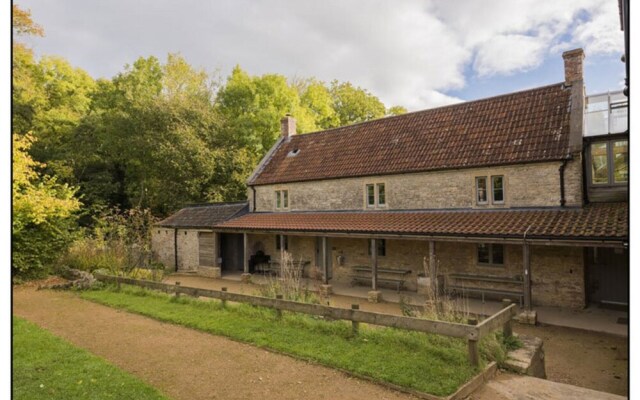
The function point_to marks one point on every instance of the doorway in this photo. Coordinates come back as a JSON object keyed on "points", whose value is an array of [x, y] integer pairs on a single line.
{"points": [[607, 271], [232, 252]]}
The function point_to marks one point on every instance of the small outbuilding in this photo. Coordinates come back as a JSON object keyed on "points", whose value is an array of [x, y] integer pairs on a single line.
{"points": [[186, 242]]}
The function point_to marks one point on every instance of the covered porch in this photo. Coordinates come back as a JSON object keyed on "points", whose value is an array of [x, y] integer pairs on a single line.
{"points": [[535, 257]]}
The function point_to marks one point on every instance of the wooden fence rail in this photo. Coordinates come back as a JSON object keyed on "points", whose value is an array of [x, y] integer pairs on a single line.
{"points": [[469, 332]]}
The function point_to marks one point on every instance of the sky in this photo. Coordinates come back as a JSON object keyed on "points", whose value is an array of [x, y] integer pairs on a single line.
{"points": [[414, 53]]}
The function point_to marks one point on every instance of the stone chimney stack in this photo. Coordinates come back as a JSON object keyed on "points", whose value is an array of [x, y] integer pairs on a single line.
{"points": [[287, 126], [573, 70]]}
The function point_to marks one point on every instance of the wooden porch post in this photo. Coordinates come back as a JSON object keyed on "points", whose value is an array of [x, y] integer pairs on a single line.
{"points": [[433, 272], [526, 263], [374, 265], [246, 276], [245, 258], [281, 250], [325, 266]]}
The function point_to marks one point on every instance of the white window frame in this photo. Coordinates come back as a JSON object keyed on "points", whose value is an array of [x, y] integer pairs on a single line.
{"points": [[375, 186], [281, 196], [486, 194], [493, 200]]}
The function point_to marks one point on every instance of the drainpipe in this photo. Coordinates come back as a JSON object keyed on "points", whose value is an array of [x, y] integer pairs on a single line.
{"points": [[175, 247], [561, 170]]}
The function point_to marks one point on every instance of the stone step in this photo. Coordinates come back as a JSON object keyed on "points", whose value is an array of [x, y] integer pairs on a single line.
{"points": [[515, 387]]}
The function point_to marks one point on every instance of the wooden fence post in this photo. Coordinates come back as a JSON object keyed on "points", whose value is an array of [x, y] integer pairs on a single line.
{"points": [[177, 293], [355, 326], [474, 351], [507, 331], [224, 302], [118, 283], [278, 311]]}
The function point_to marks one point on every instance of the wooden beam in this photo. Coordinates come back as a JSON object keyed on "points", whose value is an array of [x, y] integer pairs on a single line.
{"points": [[281, 250], [526, 265], [374, 265], [433, 272], [325, 264], [245, 260], [622, 243]]}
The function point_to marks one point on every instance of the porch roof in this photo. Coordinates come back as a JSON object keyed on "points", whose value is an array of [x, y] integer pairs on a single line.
{"points": [[594, 222]]}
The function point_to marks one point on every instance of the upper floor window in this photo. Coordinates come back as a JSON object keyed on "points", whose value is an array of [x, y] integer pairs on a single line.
{"points": [[282, 199], [497, 189], [481, 190], [381, 245], [609, 162], [375, 194], [381, 196], [491, 254]]}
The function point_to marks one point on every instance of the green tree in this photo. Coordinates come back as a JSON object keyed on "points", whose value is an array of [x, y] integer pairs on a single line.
{"points": [[396, 110], [315, 97], [253, 106], [44, 214], [354, 104]]}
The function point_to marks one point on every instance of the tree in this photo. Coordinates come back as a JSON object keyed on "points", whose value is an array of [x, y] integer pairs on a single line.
{"points": [[315, 97], [353, 104], [396, 110], [253, 106], [43, 213]]}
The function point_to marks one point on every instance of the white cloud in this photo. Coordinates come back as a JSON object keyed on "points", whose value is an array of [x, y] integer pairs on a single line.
{"points": [[506, 54], [407, 52]]}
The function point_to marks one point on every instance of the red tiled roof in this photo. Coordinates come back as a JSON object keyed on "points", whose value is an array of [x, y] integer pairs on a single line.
{"points": [[605, 221], [520, 127]]}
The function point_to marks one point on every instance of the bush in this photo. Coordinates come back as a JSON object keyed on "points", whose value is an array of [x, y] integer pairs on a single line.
{"points": [[120, 244]]}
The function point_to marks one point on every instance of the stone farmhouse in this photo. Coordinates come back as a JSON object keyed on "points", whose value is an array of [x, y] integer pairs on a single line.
{"points": [[522, 195]]}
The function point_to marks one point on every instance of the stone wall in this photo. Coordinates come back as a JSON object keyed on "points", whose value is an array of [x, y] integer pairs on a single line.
{"points": [[526, 185], [301, 248], [557, 272], [162, 246]]}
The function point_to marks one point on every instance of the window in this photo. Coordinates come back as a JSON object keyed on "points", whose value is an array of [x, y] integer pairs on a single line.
{"points": [[380, 244], [286, 243], [381, 198], [481, 190], [497, 189], [282, 199], [371, 197], [375, 195], [491, 254], [599, 164], [620, 161], [609, 162]]}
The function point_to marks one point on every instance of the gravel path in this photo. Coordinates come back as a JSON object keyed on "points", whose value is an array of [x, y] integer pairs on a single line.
{"points": [[184, 363]]}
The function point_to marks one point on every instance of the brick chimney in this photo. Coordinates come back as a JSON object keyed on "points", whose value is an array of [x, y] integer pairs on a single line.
{"points": [[573, 60], [287, 126]]}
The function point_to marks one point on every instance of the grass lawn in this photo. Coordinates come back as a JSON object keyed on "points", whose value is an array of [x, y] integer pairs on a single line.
{"points": [[47, 367], [430, 363]]}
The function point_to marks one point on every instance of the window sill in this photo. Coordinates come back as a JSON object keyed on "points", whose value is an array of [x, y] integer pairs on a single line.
{"points": [[486, 265]]}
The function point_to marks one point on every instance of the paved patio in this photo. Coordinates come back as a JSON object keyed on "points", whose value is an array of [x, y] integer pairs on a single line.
{"points": [[591, 318]]}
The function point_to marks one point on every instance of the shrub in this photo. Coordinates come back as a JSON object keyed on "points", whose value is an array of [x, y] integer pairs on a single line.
{"points": [[289, 283]]}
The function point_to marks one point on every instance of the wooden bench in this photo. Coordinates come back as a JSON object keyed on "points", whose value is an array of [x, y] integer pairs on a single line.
{"points": [[363, 274], [273, 267], [463, 288]]}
